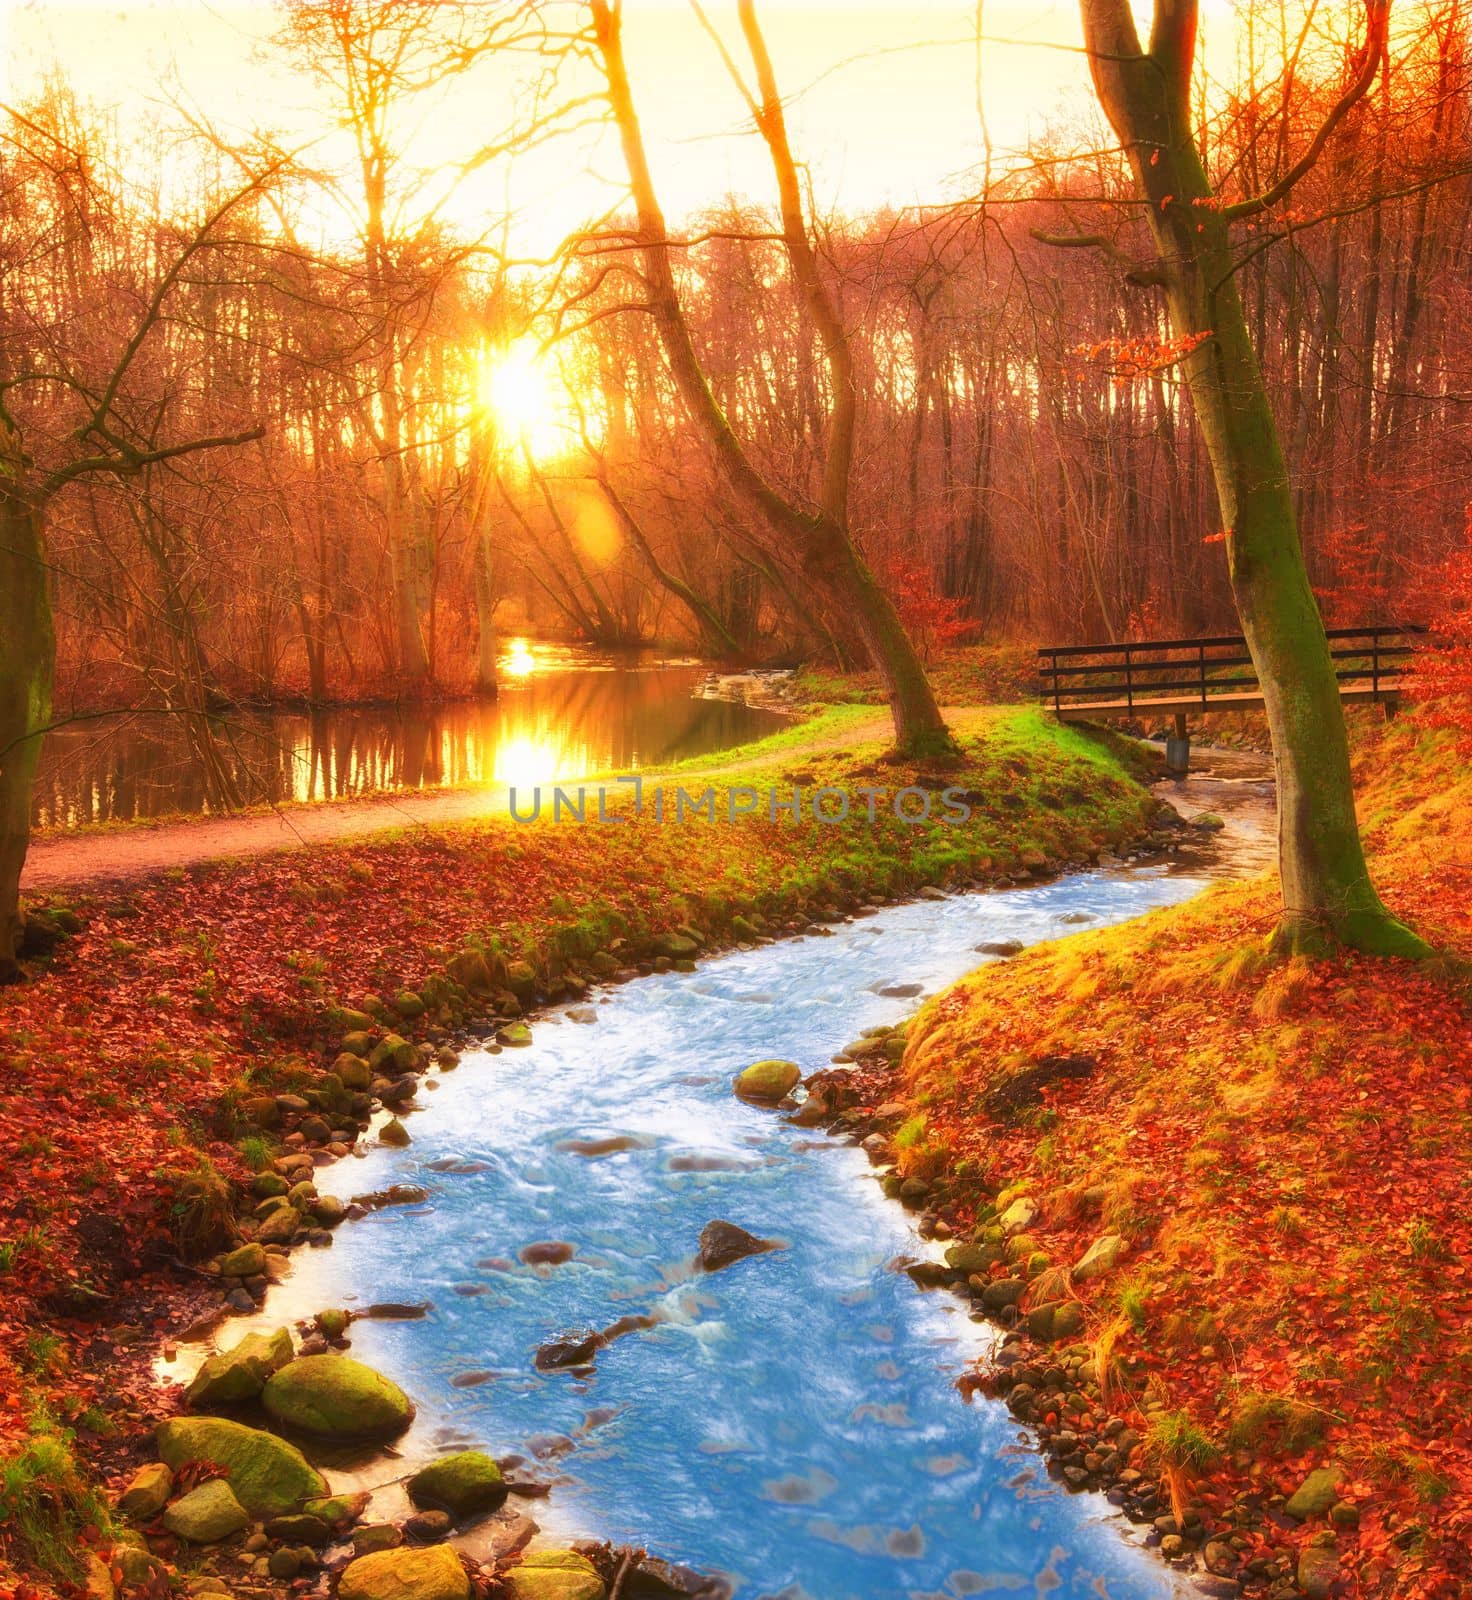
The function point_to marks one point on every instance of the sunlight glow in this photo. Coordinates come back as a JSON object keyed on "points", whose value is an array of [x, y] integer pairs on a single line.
{"points": [[526, 761], [517, 392], [518, 662]]}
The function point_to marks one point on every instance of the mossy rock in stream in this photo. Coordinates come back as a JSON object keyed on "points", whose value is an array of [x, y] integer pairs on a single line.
{"points": [[554, 1575], [268, 1475], [462, 1484], [393, 1054], [434, 1573], [238, 1374], [335, 1397], [768, 1081]]}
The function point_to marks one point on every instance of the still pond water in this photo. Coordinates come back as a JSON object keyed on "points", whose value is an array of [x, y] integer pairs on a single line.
{"points": [[563, 712]]}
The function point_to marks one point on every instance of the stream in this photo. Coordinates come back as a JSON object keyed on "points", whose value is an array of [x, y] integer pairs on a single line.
{"points": [[792, 1421]]}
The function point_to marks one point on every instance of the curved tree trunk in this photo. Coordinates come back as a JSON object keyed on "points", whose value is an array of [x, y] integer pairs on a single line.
{"points": [[1327, 892], [822, 540]]}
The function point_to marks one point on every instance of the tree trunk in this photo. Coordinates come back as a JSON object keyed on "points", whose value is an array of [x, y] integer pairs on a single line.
{"points": [[826, 550], [27, 659], [485, 611], [1327, 893]]}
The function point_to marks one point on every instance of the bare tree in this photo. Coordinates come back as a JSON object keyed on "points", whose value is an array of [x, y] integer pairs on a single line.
{"points": [[830, 555]]}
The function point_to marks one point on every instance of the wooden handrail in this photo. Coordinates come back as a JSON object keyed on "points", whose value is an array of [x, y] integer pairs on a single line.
{"points": [[1118, 674]]}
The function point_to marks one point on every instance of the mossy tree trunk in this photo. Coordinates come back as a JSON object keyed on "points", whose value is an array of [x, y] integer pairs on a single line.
{"points": [[27, 655], [1327, 893]]}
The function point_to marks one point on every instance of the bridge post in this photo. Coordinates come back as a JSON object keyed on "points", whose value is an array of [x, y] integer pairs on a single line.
{"points": [[1178, 748]]}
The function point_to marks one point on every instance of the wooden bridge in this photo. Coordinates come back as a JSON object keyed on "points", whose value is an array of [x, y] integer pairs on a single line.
{"points": [[1179, 678]]}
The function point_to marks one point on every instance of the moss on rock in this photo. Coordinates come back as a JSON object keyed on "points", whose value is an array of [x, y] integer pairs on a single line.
{"points": [[267, 1475], [554, 1575], [462, 1484], [404, 1574], [768, 1081], [335, 1397]]}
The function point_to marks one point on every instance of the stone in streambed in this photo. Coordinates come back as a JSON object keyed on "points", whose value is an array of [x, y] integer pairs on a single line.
{"points": [[300, 1527], [403, 1574], [207, 1514], [515, 1035], [462, 1484], [376, 1536], [723, 1243], [547, 1253], [245, 1262], [768, 1081], [569, 1352], [268, 1475], [554, 1575], [973, 1255], [332, 1323], [238, 1375], [393, 1132], [335, 1397], [147, 1492], [393, 1056], [352, 1071]]}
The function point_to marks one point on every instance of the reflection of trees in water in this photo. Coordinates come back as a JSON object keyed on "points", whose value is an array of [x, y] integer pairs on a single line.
{"points": [[560, 725]]}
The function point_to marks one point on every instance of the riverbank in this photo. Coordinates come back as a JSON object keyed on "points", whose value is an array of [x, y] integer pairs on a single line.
{"points": [[146, 1059], [1235, 1185]]}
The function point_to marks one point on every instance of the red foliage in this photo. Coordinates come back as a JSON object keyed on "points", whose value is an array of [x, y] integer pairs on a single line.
{"points": [[933, 620], [1444, 672]]}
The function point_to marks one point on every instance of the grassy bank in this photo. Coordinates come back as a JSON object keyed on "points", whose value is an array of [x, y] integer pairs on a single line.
{"points": [[141, 1058], [1280, 1150]]}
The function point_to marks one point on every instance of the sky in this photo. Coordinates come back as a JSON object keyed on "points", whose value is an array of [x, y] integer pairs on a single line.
{"points": [[883, 101]]}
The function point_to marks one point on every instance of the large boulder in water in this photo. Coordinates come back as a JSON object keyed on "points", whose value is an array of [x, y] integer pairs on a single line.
{"points": [[554, 1575], [335, 1397], [431, 1574], [462, 1484], [238, 1374], [723, 1243], [207, 1514], [267, 1475], [767, 1082]]}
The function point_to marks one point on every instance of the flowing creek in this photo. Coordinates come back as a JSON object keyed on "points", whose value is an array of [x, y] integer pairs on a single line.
{"points": [[792, 1421]]}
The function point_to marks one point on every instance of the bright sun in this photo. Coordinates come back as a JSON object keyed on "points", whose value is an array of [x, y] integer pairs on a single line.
{"points": [[516, 390]]}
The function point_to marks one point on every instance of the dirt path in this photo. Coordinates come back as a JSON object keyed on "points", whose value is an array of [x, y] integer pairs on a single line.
{"points": [[86, 860]]}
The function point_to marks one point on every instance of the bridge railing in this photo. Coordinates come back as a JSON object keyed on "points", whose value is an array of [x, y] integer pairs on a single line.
{"points": [[1188, 674]]}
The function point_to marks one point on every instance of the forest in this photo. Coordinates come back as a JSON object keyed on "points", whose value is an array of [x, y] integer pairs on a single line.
{"points": [[735, 823]]}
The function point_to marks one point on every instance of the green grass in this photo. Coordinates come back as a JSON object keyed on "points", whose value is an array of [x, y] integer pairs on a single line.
{"points": [[45, 1504], [1180, 1442]]}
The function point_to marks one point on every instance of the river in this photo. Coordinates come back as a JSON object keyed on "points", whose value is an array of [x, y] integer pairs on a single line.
{"points": [[562, 712], [792, 1421]]}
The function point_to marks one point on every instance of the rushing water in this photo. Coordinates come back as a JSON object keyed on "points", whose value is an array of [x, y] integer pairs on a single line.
{"points": [[792, 1420], [562, 713]]}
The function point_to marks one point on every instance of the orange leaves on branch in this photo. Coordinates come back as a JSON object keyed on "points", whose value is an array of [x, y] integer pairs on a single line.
{"points": [[1126, 360]]}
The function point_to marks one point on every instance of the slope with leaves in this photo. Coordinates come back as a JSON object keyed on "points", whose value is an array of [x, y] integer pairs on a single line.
{"points": [[1284, 1147]]}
